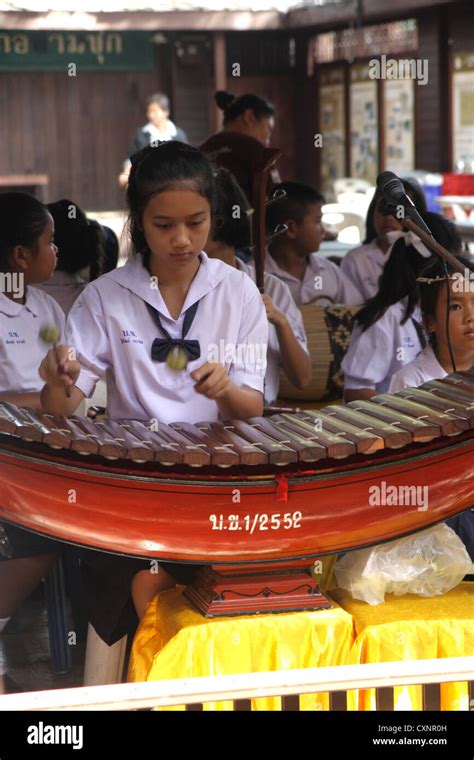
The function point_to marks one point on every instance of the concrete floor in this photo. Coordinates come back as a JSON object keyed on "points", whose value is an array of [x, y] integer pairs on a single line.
{"points": [[25, 648]]}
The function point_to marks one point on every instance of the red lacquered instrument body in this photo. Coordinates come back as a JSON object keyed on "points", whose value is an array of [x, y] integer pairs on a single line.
{"points": [[168, 515], [351, 482]]}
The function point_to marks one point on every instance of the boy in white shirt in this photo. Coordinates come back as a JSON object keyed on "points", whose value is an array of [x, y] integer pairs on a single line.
{"points": [[293, 256]]}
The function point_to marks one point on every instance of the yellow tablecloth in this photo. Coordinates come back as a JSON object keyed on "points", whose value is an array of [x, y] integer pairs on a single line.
{"points": [[412, 628], [176, 641]]}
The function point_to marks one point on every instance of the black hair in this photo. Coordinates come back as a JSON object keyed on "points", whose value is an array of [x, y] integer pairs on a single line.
{"points": [[234, 107], [412, 188], [231, 221], [22, 221], [111, 253], [160, 98], [80, 241], [404, 265], [164, 166], [293, 206]]}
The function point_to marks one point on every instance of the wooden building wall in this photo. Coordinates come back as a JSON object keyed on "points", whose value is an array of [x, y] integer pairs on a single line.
{"points": [[78, 129]]}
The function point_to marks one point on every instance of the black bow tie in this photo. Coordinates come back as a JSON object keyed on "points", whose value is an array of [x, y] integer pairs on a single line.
{"points": [[161, 347]]}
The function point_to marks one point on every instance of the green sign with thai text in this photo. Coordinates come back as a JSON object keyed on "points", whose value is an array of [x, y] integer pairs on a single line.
{"points": [[88, 51]]}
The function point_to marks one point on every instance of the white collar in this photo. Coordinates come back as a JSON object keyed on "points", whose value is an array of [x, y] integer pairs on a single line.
{"points": [[136, 278]]}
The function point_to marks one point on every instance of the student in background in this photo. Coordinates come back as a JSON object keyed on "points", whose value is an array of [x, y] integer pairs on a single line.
{"points": [[230, 232], [389, 332], [364, 265], [81, 246], [293, 257], [27, 256]]}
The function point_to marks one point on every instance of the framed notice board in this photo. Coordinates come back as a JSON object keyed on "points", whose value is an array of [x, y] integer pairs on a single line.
{"points": [[399, 125], [332, 116], [463, 108], [363, 124]]}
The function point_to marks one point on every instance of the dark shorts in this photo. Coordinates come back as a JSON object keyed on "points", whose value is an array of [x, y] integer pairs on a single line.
{"points": [[107, 579], [18, 543]]}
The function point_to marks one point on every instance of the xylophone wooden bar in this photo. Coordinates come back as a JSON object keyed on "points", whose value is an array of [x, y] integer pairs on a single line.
{"points": [[308, 451], [421, 430], [447, 424], [248, 453], [164, 452], [337, 446], [278, 453], [388, 421], [392, 436], [364, 441], [439, 403]]}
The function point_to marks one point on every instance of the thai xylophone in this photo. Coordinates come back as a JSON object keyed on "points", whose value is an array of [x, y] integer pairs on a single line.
{"points": [[257, 499]]}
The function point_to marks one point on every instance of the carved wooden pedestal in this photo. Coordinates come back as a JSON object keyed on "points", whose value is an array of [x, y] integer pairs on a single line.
{"points": [[245, 593]]}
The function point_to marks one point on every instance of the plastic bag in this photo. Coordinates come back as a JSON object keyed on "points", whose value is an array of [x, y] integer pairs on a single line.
{"points": [[428, 563]]}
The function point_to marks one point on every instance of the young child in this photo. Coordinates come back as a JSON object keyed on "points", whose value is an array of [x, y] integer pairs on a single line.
{"points": [[287, 339], [81, 252], [364, 265], [389, 332], [434, 362], [293, 256], [127, 322], [27, 256]]}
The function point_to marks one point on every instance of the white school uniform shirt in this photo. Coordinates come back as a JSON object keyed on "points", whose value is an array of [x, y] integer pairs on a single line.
{"points": [[281, 297], [376, 354], [421, 370], [322, 280], [112, 331], [64, 287], [21, 348], [363, 266]]}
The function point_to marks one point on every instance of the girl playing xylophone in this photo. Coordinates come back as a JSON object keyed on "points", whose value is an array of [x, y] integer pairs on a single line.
{"points": [[27, 257], [434, 362], [287, 339], [168, 303], [389, 332]]}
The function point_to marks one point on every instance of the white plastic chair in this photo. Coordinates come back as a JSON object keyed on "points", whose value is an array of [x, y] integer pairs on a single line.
{"points": [[350, 184], [349, 225]]}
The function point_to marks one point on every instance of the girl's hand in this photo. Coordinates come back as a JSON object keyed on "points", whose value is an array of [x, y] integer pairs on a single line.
{"points": [[57, 370], [212, 380], [274, 315]]}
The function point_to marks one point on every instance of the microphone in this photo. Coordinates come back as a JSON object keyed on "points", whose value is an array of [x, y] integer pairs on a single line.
{"points": [[391, 189]]}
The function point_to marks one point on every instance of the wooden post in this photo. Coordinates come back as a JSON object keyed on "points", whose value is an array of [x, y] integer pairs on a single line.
{"points": [[220, 75]]}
